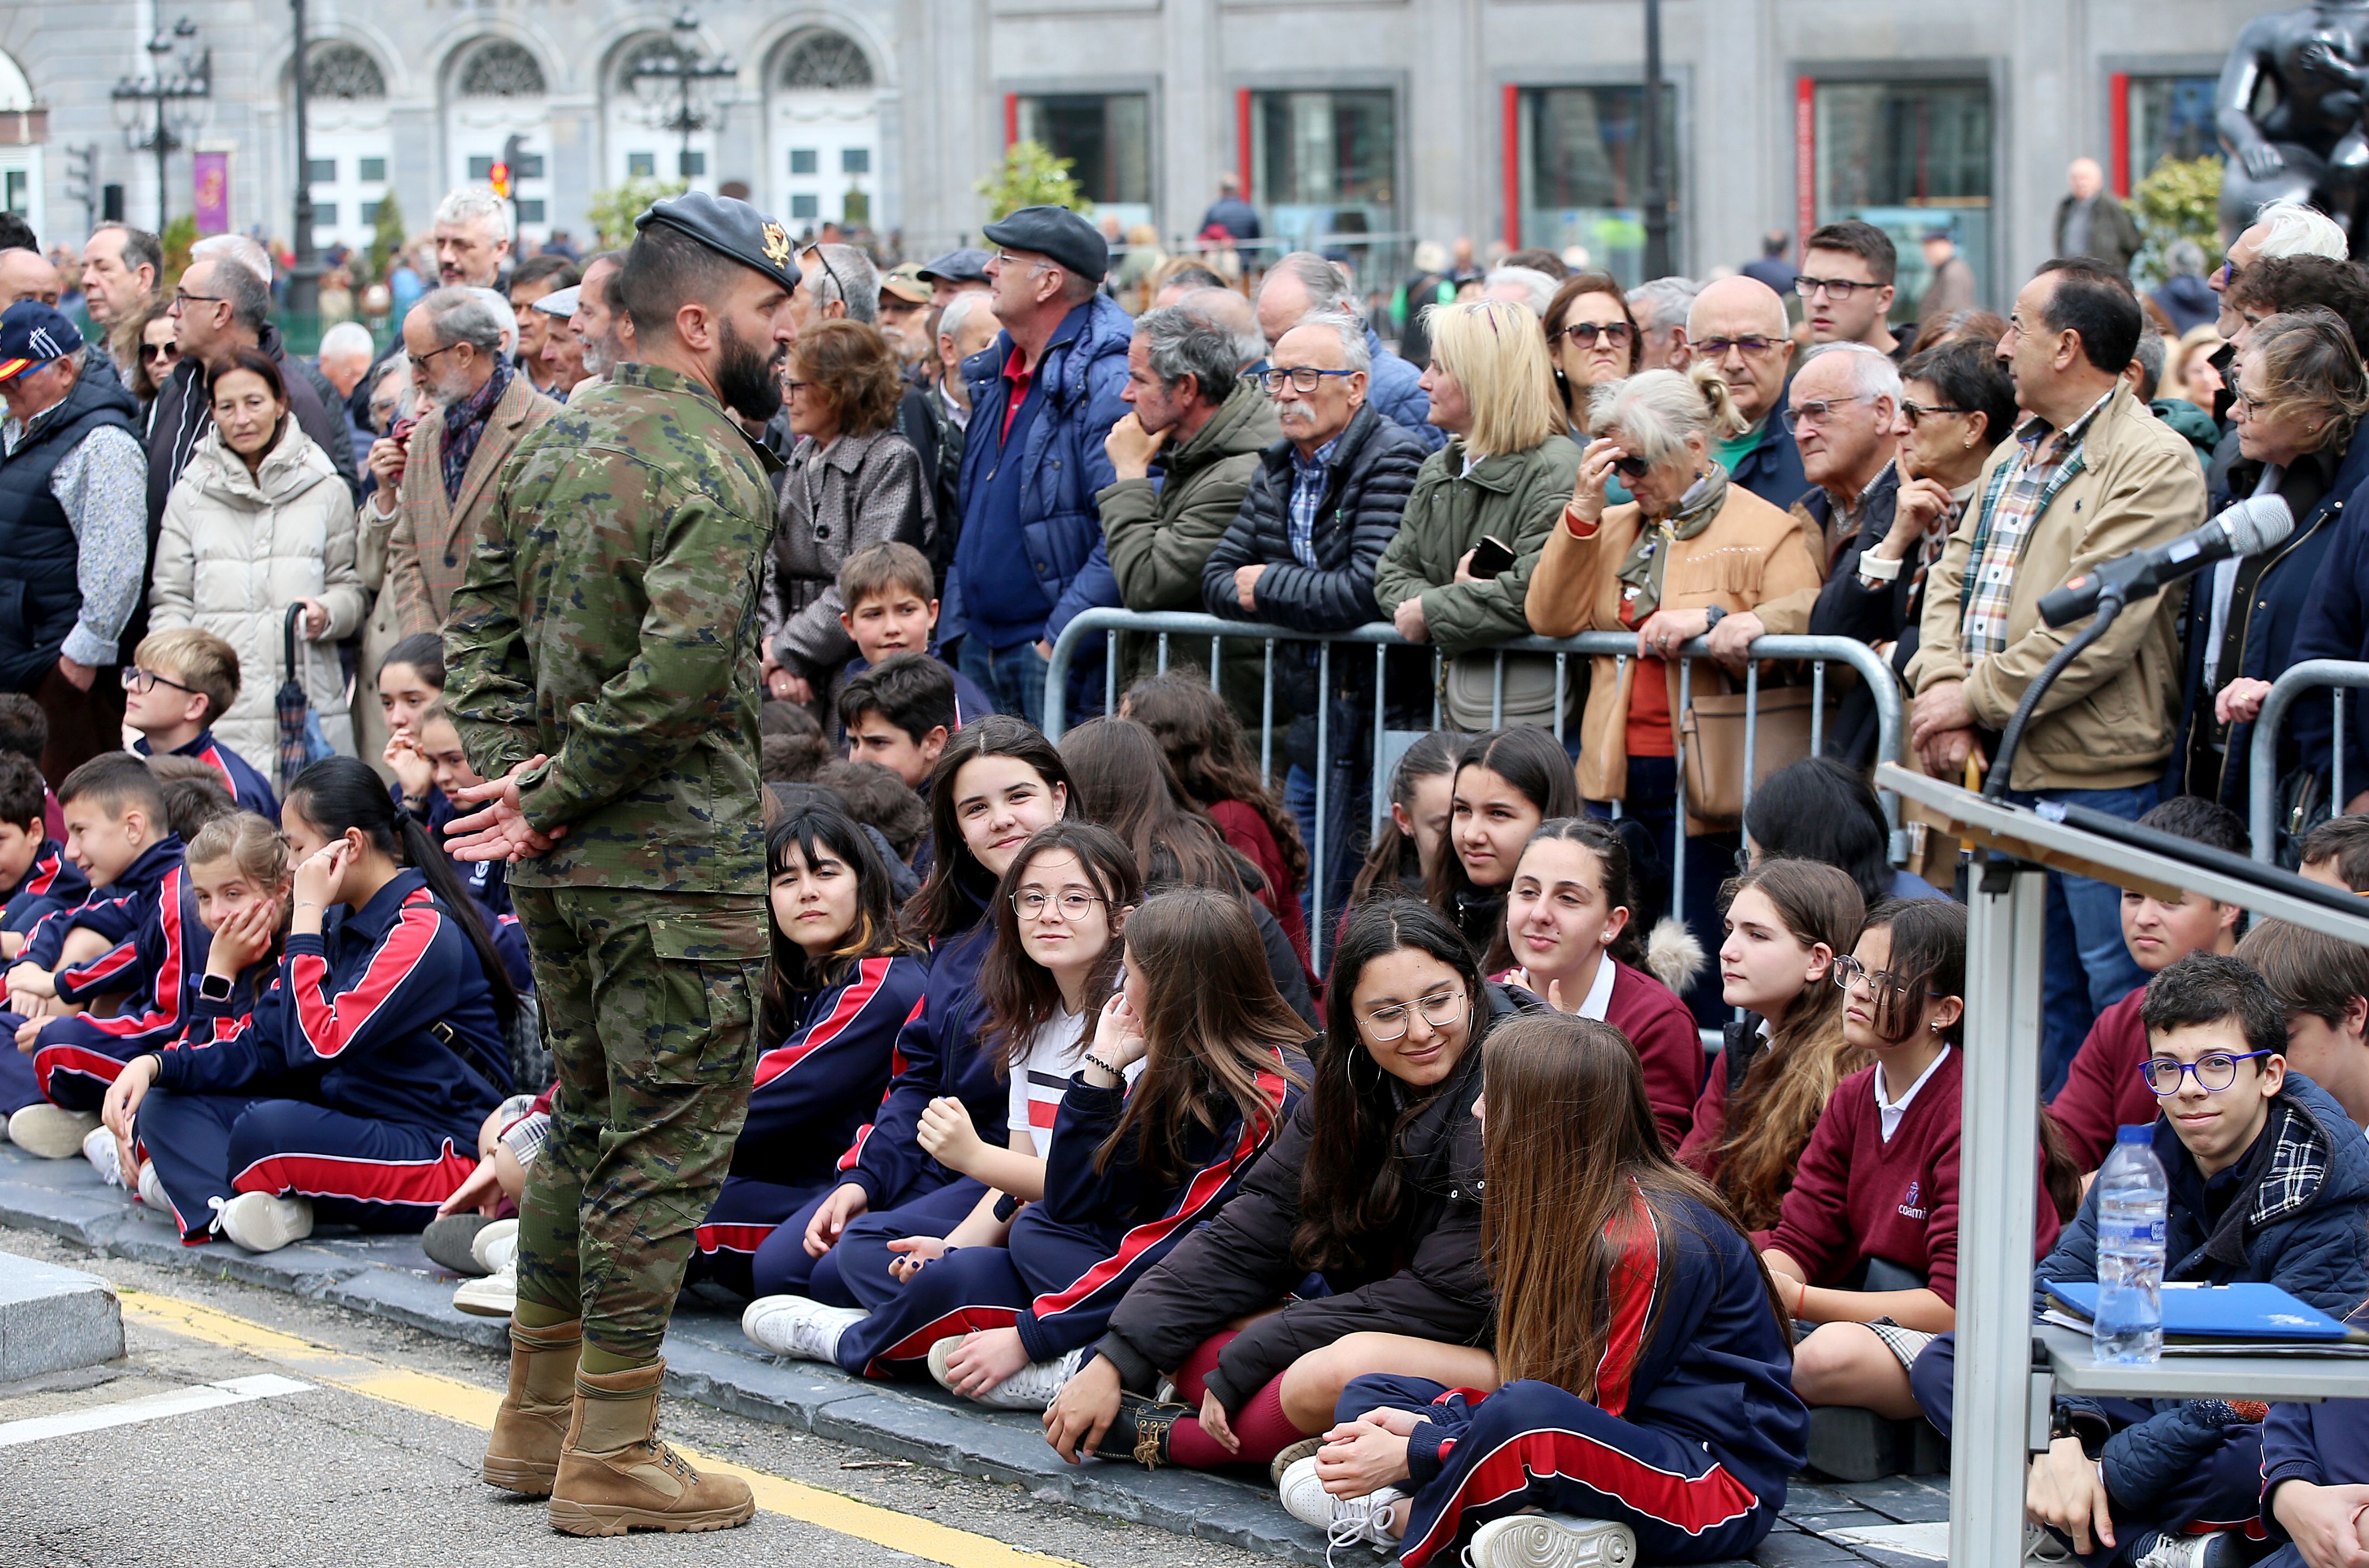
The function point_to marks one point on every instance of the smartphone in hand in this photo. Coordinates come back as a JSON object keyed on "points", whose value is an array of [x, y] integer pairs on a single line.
{"points": [[1491, 556]]}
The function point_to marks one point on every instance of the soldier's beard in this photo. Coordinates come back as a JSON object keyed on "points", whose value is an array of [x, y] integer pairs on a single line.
{"points": [[749, 379]]}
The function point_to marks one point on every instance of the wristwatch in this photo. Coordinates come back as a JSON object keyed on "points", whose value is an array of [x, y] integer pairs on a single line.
{"points": [[214, 987], [1712, 617]]}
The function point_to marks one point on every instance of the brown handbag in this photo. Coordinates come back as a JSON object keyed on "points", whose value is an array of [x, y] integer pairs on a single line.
{"points": [[1714, 731]]}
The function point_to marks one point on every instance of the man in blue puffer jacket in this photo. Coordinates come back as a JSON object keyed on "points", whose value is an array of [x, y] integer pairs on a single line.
{"points": [[1044, 396]]}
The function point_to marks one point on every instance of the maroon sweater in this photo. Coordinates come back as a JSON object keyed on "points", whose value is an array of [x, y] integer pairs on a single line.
{"points": [[1856, 1196], [1660, 1031], [2102, 1090]]}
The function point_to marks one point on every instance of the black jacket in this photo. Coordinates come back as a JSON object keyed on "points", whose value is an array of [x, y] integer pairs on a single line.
{"points": [[1887, 612]]}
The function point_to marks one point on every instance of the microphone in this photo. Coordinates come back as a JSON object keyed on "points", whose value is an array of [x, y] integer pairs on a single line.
{"points": [[2252, 526]]}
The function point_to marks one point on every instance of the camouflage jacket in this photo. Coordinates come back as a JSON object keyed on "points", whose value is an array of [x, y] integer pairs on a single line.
{"points": [[608, 621]]}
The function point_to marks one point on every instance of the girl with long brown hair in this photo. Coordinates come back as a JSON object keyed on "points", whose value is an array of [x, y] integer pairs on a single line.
{"points": [[1788, 921], [1507, 781], [1423, 788], [1643, 1354]]}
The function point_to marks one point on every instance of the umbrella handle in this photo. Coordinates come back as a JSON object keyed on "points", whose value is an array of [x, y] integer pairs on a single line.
{"points": [[289, 628]]}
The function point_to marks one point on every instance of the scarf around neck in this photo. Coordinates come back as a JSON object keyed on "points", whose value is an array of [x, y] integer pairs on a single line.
{"points": [[1649, 557]]}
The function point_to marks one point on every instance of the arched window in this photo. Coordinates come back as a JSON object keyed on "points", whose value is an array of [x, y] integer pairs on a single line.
{"points": [[826, 59], [343, 71], [501, 70]]}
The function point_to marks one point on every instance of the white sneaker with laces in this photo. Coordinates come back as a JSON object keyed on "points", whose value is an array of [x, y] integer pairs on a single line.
{"points": [[262, 1223], [797, 1327], [1346, 1521], [152, 1189], [496, 1246], [50, 1132], [1551, 1541], [2040, 1546], [99, 1147], [2164, 1550], [1033, 1387], [495, 1296]]}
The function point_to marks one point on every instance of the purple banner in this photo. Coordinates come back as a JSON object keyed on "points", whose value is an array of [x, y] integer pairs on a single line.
{"points": [[210, 191]]}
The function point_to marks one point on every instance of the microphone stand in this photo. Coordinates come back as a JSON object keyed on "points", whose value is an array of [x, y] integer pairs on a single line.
{"points": [[2111, 600]]}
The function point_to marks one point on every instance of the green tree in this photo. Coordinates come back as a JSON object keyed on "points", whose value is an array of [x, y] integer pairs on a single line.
{"points": [[1030, 176], [178, 237], [613, 211], [386, 236], [2180, 198]]}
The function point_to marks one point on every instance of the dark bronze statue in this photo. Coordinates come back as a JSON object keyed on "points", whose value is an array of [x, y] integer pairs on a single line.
{"points": [[2289, 110]]}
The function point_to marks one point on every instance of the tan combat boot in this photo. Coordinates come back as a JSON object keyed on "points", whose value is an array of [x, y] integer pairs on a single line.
{"points": [[614, 1474], [522, 1454]]}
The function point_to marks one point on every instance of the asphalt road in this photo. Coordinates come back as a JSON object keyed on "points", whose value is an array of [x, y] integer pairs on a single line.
{"points": [[353, 1442]]}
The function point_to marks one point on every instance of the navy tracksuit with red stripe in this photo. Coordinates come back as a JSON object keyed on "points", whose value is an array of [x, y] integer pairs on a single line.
{"points": [[1070, 1256], [359, 1079], [1689, 1440], [488, 885], [50, 884], [812, 1092], [250, 789]]}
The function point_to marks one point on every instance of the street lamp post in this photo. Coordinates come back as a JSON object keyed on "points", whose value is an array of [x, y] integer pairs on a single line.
{"points": [[686, 75], [1657, 174], [179, 73], [304, 276]]}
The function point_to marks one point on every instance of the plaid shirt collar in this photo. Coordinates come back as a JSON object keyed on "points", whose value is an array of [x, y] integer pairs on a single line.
{"points": [[2017, 498], [1309, 477], [2033, 434]]}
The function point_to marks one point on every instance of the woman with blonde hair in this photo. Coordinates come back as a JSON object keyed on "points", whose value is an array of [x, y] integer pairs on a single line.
{"points": [[1687, 549], [1457, 573]]}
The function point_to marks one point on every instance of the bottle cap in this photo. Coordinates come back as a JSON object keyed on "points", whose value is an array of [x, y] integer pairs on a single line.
{"points": [[2143, 1133]]}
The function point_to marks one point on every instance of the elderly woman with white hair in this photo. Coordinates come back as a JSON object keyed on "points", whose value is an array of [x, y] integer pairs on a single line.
{"points": [[1687, 549]]}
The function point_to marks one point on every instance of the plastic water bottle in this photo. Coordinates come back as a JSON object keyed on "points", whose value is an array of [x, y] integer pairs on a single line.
{"points": [[2132, 1198]]}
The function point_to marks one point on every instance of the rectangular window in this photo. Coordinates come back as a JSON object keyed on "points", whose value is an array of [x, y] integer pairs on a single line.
{"points": [[372, 171], [2171, 116], [641, 166], [1910, 157], [530, 210], [804, 160], [1107, 139], [530, 167], [690, 165], [321, 171], [325, 214], [1324, 166], [369, 213], [15, 190], [482, 168], [806, 207], [1583, 167], [855, 160]]}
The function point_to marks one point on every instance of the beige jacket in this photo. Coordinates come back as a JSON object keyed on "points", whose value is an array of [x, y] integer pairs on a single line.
{"points": [[2107, 723]]}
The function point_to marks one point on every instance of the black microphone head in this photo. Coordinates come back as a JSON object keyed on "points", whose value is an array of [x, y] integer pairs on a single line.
{"points": [[2257, 523]]}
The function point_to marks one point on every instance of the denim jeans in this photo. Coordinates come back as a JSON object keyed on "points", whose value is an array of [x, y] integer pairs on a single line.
{"points": [[2087, 967], [1012, 678], [1348, 804], [1653, 801]]}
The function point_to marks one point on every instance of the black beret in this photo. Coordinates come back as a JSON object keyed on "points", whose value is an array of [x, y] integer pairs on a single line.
{"points": [[733, 228], [1056, 233]]}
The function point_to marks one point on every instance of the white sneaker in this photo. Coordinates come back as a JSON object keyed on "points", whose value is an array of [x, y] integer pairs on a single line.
{"points": [[495, 1296], [262, 1223], [797, 1327], [2164, 1550], [1031, 1388], [496, 1246], [1551, 1541], [50, 1132], [1346, 1521], [99, 1147], [152, 1189], [2040, 1546]]}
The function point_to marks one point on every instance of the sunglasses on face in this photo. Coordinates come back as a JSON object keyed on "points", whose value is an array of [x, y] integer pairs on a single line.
{"points": [[1584, 334], [166, 350], [1630, 467], [1917, 411]]}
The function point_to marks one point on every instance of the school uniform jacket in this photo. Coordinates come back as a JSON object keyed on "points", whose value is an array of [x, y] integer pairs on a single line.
{"points": [[2326, 1444], [814, 1089], [2103, 1089], [1139, 1223], [488, 885], [160, 945], [1663, 1032], [238, 1044], [51, 882], [248, 788]]}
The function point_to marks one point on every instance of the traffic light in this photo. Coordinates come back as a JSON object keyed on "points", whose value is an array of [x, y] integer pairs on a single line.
{"points": [[504, 174], [499, 174]]}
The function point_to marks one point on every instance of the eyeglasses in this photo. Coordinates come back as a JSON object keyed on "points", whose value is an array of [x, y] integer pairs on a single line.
{"points": [[2253, 407], [1303, 378], [1883, 986], [839, 289], [1006, 259], [2215, 1070], [1914, 412], [1836, 288], [2228, 274], [146, 681], [420, 361], [1440, 1009], [1584, 334], [1029, 905], [1750, 348], [183, 298], [1818, 413], [792, 388], [160, 350]]}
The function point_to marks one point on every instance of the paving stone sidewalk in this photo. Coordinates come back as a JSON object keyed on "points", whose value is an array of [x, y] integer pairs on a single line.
{"points": [[708, 1360]]}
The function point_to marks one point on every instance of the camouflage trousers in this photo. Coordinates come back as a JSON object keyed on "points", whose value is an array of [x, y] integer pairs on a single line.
{"points": [[649, 1001]]}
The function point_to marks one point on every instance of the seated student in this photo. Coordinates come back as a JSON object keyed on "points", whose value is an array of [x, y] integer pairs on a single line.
{"points": [[411, 678], [1422, 792], [1507, 781], [1374, 1182], [1788, 921], [179, 680], [1569, 921], [429, 747], [889, 605], [25, 730], [2337, 852], [899, 713], [1210, 754], [2270, 1181], [2323, 983], [999, 782], [1660, 1421], [2315, 1482], [841, 985], [194, 795], [2103, 1088], [35, 878], [136, 935], [1822, 809], [1866, 1244], [371, 1065]]}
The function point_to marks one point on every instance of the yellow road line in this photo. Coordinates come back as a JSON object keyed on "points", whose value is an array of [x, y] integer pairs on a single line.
{"points": [[471, 1406]]}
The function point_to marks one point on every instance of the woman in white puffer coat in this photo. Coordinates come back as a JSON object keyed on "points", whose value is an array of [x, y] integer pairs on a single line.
{"points": [[257, 522]]}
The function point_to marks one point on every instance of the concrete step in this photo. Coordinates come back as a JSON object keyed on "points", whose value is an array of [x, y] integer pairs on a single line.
{"points": [[1851, 1444], [55, 1319]]}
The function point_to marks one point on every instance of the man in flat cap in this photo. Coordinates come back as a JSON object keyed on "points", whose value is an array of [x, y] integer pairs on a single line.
{"points": [[601, 660], [1044, 396]]}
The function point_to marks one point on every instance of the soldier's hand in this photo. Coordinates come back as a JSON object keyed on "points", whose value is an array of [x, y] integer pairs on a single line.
{"points": [[846, 1203], [500, 832]]}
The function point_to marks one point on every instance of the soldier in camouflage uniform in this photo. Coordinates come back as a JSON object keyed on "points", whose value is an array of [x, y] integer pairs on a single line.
{"points": [[603, 666]]}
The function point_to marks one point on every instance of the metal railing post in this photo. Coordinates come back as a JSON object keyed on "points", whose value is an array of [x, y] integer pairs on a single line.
{"points": [[2262, 771]]}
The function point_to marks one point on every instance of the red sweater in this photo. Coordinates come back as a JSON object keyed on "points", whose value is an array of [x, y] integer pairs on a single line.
{"points": [[1246, 831], [1700, 1149], [1660, 1030], [2102, 1090], [1856, 1196]]}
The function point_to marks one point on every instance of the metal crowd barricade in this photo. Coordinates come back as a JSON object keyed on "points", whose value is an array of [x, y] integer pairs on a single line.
{"points": [[2263, 779], [1169, 625]]}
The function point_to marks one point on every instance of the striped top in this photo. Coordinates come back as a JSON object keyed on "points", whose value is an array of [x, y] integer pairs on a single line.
{"points": [[1042, 1077]]}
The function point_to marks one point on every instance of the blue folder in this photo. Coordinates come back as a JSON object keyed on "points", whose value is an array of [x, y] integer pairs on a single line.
{"points": [[2246, 1311]]}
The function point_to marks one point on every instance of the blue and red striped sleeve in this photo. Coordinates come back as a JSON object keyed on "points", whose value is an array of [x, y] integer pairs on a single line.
{"points": [[398, 991], [159, 966], [835, 1067]]}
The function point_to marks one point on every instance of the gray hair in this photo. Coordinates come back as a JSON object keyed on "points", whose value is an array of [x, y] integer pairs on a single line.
{"points": [[461, 315], [1230, 313], [1181, 342], [235, 248], [249, 297], [848, 276], [1327, 285], [348, 338], [957, 315], [140, 247], [1655, 411], [504, 314], [2185, 259], [474, 204], [2150, 356], [2290, 228], [1542, 288], [1872, 373], [1661, 303], [1355, 355]]}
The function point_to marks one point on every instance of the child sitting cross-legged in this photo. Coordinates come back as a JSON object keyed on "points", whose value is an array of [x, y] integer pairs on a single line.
{"points": [[2270, 1181], [179, 681], [37, 880], [1644, 1407]]}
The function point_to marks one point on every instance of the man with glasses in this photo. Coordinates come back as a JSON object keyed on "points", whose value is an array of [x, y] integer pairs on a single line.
{"points": [[1738, 325], [1844, 411], [73, 531], [1303, 282], [1845, 286]]}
